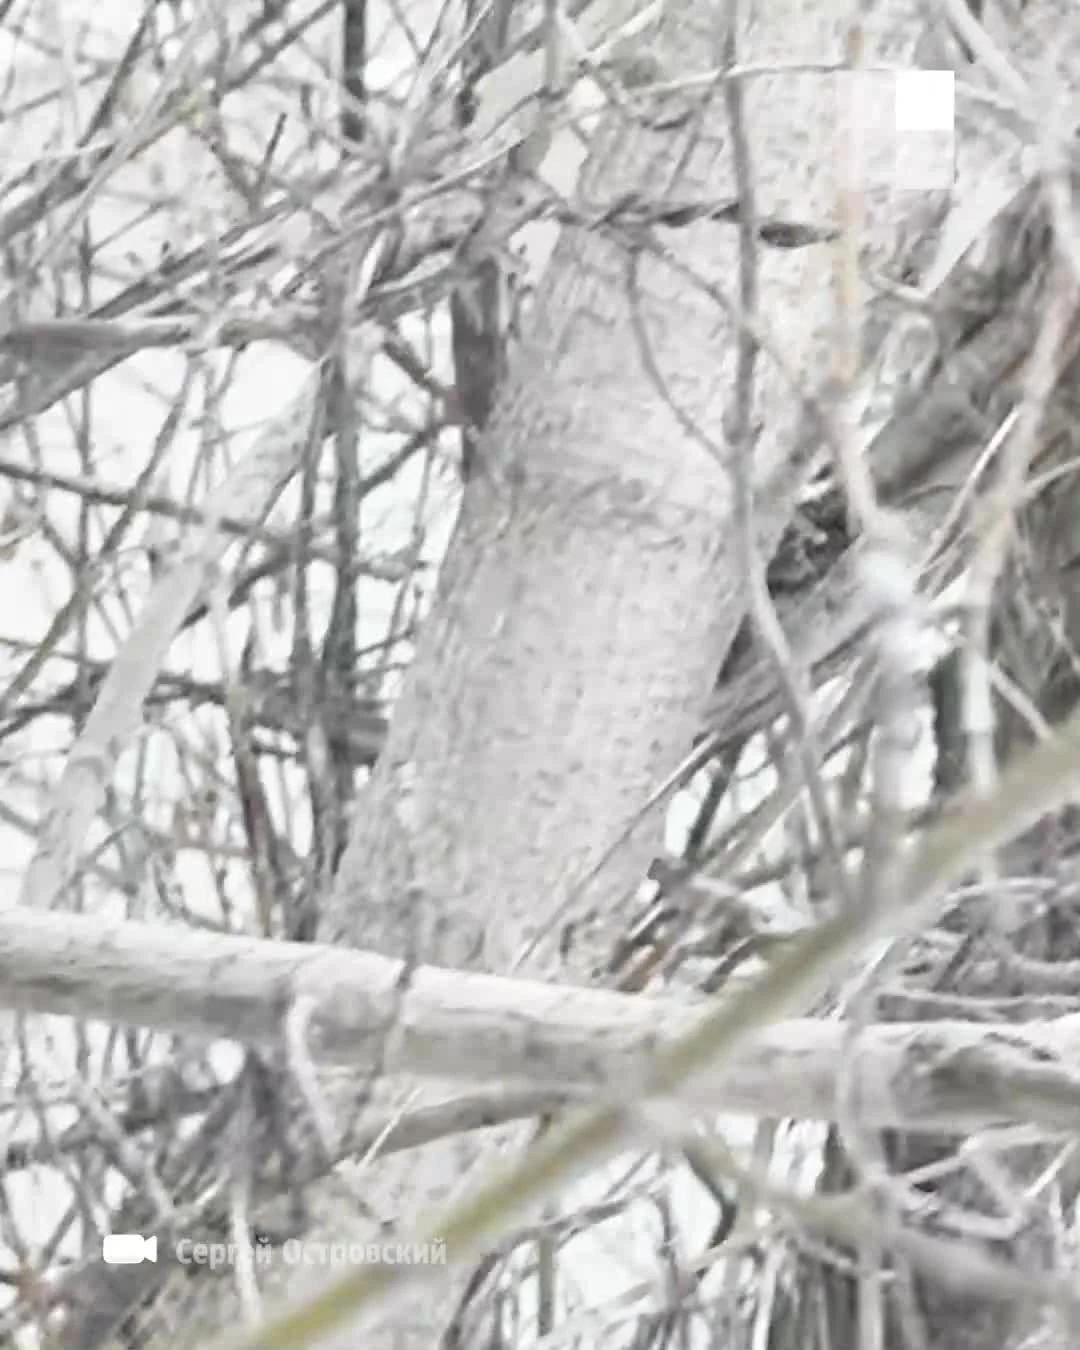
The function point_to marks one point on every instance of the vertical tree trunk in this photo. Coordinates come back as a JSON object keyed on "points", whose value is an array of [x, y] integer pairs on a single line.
{"points": [[591, 589]]}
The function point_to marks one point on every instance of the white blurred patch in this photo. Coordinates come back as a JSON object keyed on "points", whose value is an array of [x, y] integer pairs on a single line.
{"points": [[901, 127]]}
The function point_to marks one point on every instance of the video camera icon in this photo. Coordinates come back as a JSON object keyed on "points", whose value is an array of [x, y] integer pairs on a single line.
{"points": [[128, 1249]]}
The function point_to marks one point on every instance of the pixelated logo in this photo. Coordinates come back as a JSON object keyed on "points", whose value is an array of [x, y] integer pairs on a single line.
{"points": [[900, 127]]}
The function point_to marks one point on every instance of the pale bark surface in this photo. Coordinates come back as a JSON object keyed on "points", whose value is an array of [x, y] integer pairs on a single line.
{"points": [[572, 1042], [591, 589]]}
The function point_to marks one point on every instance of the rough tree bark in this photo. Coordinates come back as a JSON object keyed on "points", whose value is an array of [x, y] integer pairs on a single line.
{"points": [[592, 587]]}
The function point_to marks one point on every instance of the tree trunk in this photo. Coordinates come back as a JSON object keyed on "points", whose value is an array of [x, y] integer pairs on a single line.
{"points": [[592, 586]]}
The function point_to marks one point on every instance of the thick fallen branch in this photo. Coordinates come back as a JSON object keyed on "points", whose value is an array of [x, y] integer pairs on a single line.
{"points": [[948, 1075]]}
